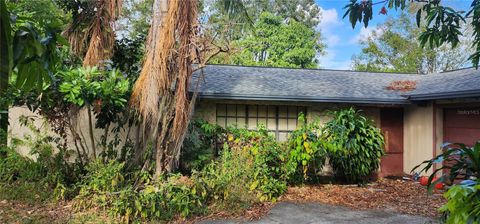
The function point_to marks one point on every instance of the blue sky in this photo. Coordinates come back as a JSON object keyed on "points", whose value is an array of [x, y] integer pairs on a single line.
{"points": [[342, 40]]}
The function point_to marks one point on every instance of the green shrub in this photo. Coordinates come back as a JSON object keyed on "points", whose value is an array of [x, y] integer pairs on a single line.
{"points": [[463, 204], [307, 152], [357, 145], [200, 145], [456, 161], [251, 169], [110, 187]]}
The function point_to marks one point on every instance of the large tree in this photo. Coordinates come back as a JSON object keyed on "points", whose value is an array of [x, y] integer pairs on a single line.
{"points": [[394, 47], [443, 23], [276, 43]]}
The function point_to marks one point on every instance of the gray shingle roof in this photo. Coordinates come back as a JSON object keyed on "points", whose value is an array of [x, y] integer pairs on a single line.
{"points": [[322, 85], [451, 84]]}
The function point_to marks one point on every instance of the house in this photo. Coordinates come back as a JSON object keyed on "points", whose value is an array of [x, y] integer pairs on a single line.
{"points": [[438, 108]]}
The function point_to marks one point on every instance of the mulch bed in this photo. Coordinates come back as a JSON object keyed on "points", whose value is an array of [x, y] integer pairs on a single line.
{"points": [[399, 196]]}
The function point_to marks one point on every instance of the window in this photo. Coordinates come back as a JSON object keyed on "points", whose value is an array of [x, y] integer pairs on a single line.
{"points": [[279, 120]]}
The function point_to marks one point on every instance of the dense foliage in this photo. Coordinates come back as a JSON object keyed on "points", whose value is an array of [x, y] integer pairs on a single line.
{"points": [[356, 145], [201, 145], [278, 44], [308, 151], [251, 158], [275, 43], [463, 204], [457, 161]]}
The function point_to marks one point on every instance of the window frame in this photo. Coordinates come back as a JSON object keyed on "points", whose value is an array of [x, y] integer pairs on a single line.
{"points": [[267, 116]]}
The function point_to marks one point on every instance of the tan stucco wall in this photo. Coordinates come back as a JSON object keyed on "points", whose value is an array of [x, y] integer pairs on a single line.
{"points": [[418, 135], [206, 110], [16, 130]]}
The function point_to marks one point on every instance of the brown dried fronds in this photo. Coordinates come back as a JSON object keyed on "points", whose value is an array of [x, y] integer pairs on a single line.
{"points": [[93, 37], [155, 79]]}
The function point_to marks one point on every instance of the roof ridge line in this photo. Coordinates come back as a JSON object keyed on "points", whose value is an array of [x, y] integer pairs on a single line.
{"points": [[318, 69]]}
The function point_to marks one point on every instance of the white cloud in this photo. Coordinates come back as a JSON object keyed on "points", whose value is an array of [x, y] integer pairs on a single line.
{"points": [[328, 22], [366, 33], [329, 18], [329, 61]]}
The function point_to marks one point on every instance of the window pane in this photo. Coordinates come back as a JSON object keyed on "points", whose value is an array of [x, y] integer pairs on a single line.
{"points": [[231, 122], [262, 111], [272, 112], [292, 112], [292, 124], [252, 123], [272, 124], [221, 110], [282, 124], [252, 111], [282, 111], [221, 121], [231, 110], [241, 122], [241, 110]]}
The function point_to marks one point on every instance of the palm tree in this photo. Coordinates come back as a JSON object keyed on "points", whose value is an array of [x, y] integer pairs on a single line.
{"points": [[161, 93]]}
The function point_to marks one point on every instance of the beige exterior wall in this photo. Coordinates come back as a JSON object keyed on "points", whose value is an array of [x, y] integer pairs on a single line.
{"points": [[18, 131], [206, 110], [418, 135]]}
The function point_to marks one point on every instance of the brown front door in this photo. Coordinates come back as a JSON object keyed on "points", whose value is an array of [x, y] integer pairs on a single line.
{"points": [[391, 120]]}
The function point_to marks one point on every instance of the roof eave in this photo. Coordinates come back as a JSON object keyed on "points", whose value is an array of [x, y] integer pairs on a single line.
{"points": [[444, 95], [303, 99]]}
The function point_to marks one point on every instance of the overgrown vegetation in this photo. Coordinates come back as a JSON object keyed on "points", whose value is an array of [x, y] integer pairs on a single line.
{"points": [[457, 162], [224, 170], [308, 152], [356, 145]]}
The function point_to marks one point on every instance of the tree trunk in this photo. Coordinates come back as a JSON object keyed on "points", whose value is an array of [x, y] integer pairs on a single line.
{"points": [[90, 130]]}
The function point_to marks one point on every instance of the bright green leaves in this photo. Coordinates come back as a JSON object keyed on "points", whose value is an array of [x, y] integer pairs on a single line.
{"points": [[275, 43], [356, 145], [34, 55], [307, 152], [463, 204], [81, 86], [443, 25]]}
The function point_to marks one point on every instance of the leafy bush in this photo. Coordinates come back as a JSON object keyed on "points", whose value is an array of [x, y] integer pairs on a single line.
{"points": [[251, 168], [200, 146], [307, 152], [357, 145], [463, 204], [48, 170], [457, 160], [110, 187]]}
